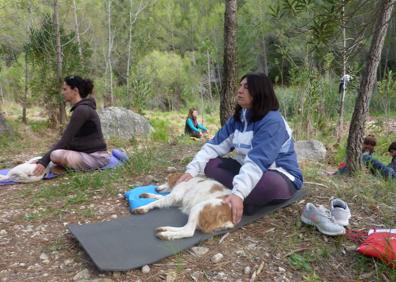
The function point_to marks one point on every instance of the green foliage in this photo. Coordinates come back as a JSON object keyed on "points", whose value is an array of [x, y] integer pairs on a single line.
{"points": [[384, 100], [161, 130], [42, 52], [171, 79], [310, 102]]}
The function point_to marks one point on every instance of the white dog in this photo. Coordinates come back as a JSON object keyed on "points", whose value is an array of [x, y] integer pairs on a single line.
{"points": [[24, 172], [200, 197]]}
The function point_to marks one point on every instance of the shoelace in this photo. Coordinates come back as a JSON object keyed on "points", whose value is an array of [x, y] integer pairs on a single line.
{"points": [[325, 211]]}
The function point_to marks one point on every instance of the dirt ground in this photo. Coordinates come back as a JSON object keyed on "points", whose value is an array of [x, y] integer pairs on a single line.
{"points": [[278, 247]]}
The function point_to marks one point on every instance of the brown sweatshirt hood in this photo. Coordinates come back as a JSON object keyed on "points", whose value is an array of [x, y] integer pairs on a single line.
{"points": [[86, 101]]}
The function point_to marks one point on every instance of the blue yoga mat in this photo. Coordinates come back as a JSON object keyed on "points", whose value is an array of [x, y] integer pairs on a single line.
{"points": [[133, 196]]}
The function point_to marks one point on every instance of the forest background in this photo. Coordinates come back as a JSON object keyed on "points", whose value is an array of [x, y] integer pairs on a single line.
{"points": [[168, 55]]}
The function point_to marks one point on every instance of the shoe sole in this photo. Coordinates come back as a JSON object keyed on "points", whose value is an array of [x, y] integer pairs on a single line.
{"points": [[309, 222], [340, 222]]}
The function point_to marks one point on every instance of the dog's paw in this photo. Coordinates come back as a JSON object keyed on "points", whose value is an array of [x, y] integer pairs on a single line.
{"points": [[145, 195], [163, 236], [139, 211], [162, 188], [160, 229]]}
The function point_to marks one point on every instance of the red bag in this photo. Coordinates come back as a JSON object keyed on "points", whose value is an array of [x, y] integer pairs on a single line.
{"points": [[381, 245]]}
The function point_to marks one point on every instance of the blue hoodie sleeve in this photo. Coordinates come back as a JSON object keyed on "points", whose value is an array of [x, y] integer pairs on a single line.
{"points": [[219, 145], [192, 126], [266, 145]]}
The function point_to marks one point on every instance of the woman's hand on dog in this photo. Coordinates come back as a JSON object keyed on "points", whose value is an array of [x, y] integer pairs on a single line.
{"points": [[236, 204], [38, 170], [184, 177]]}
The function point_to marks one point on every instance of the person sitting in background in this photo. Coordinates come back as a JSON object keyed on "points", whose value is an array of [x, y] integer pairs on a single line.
{"points": [[369, 143], [375, 166], [82, 146], [392, 152], [192, 126]]}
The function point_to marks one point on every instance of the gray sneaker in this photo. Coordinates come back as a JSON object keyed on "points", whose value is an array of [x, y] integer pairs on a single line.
{"points": [[340, 211], [322, 220]]}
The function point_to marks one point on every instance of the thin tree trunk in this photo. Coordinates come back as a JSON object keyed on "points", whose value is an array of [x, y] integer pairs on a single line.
{"points": [[109, 101], [209, 77], [229, 65], [129, 50], [358, 122], [62, 110], [77, 28], [132, 20], [263, 57], [25, 95], [343, 90], [1, 96]]}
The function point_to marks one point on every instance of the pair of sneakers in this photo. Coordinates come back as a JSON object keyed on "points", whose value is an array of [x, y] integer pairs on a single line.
{"points": [[329, 222]]}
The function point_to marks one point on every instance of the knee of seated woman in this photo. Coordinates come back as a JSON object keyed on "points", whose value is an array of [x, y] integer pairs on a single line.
{"points": [[58, 156]]}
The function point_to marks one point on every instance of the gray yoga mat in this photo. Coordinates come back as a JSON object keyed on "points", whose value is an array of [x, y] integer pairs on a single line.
{"points": [[126, 243]]}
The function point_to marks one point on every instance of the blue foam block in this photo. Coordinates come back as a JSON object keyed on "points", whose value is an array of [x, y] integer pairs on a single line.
{"points": [[134, 201]]}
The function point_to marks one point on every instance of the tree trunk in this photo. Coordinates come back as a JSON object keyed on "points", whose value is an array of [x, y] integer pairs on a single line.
{"points": [[77, 28], [209, 77], [61, 105], [25, 95], [356, 130], [344, 62], [263, 58], [1, 97], [129, 50], [109, 99], [4, 128], [228, 87]]}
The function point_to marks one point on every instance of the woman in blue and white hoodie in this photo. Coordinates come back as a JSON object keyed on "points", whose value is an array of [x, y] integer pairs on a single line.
{"points": [[265, 169]]}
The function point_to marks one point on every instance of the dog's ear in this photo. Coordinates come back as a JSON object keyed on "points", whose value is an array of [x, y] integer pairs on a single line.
{"points": [[173, 178]]}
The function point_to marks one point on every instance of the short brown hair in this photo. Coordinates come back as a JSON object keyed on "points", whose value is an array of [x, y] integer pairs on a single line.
{"points": [[370, 140]]}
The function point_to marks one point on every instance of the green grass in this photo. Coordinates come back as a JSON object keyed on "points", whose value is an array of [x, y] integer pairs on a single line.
{"points": [[367, 196], [38, 126], [76, 189], [161, 130], [300, 262]]}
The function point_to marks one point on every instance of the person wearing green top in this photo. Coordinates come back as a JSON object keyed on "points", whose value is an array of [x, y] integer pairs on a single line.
{"points": [[193, 127]]}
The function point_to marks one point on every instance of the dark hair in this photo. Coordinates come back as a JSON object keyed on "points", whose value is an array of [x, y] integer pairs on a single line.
{"points": [[370, 140], [392, 147], [84, 86], [264, 99], [190, 114]]}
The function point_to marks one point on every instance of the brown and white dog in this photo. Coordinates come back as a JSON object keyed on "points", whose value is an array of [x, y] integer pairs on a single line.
{"points": [[200, 198]]}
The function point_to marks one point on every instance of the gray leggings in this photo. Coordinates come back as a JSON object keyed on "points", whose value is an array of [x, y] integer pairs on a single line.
{"points": [[79, 160], [272, 188]]}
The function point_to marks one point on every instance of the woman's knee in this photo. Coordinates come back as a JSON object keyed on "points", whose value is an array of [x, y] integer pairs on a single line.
{"points": [[211, 167], [58, 156]]}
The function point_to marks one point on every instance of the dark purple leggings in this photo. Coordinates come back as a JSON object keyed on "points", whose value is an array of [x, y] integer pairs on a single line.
{"points": [[273, 187]]}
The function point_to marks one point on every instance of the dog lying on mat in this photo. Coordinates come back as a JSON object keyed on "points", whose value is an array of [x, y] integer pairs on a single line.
{"points": [[200, 198], [24, 172]]}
